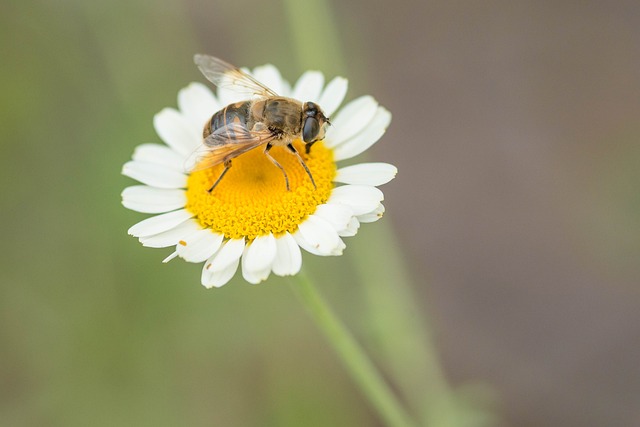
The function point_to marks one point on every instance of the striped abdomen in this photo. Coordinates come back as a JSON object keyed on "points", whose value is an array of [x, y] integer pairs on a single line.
{"points": [[233, 114]]}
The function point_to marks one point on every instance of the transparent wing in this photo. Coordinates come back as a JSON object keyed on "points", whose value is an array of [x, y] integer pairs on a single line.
{"points": [[226, 143], [223, 74], [236, 133]]}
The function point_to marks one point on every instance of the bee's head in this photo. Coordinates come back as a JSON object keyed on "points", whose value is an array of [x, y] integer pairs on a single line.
{"points": [[313, 123]]}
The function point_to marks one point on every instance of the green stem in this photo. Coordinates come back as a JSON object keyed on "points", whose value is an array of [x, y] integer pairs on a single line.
{"points": [[353, 356], [314, 31], [403, 338]]}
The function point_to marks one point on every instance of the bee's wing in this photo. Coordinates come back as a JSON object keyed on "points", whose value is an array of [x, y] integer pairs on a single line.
{"points": [[223, 74], [226, 143]]}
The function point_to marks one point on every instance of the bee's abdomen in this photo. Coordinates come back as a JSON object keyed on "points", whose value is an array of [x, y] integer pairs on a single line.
{"points": [[232, 114]]}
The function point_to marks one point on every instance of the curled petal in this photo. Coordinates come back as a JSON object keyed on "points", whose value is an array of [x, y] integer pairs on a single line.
{"points": [[372, 216], [351, 229]]}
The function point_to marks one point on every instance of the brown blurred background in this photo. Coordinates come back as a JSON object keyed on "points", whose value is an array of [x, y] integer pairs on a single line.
{"points": [[516, 132]]}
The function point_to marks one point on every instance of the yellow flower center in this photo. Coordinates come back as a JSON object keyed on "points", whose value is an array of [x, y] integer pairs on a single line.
{"points": [[252, 199]]}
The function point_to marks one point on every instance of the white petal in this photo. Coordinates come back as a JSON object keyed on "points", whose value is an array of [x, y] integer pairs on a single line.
{"points": [[221, 267], [321, 236], [288, 259], [372, 174], [199, 246], [369, 136], [258, 258], [171, 237], [372, 216], [333, 95], [304, 244], [219, 278], [154, 175], [352, 228], [177, 131], [269, 76], [286, 88], [351, 120], [308, 87], [197, 104], [229, 253], [335, 214], [250, 276], [361, 199], [160, 223], [146, 199], [159, 155]]}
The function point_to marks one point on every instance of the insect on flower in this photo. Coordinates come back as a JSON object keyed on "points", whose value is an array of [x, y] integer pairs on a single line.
{"points": [[250, 221], [267, 119]]}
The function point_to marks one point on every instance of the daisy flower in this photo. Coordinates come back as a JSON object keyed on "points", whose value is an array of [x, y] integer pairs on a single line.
{"points": [[250, 219]]}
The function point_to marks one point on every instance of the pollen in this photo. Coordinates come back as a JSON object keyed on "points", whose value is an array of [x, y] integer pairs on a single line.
{"points": [[252, 199]]}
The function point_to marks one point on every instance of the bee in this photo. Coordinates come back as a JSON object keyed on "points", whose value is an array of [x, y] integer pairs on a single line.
{"points": [[267, 119]]}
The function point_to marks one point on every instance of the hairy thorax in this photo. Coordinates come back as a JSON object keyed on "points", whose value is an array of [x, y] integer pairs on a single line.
{"points": [[279, 114]]}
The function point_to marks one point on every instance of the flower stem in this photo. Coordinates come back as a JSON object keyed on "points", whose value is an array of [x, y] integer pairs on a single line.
{"points": [[359, 365], [401, 330], [316, 42]]}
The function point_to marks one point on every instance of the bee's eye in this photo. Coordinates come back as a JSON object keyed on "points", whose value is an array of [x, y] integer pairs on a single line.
{"points": [[310, 129], [311, 108]]}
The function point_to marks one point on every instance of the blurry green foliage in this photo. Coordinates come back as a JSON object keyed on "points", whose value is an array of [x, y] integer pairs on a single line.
{"points": [[94, 330]]}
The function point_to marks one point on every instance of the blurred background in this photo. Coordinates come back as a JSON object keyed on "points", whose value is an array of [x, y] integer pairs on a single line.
{"points": [[513, 224]]}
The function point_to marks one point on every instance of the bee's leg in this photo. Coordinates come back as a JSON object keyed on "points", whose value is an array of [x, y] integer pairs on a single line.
{"points": [[275, 162], [304, 165], [307, 147], [227, 166]]}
